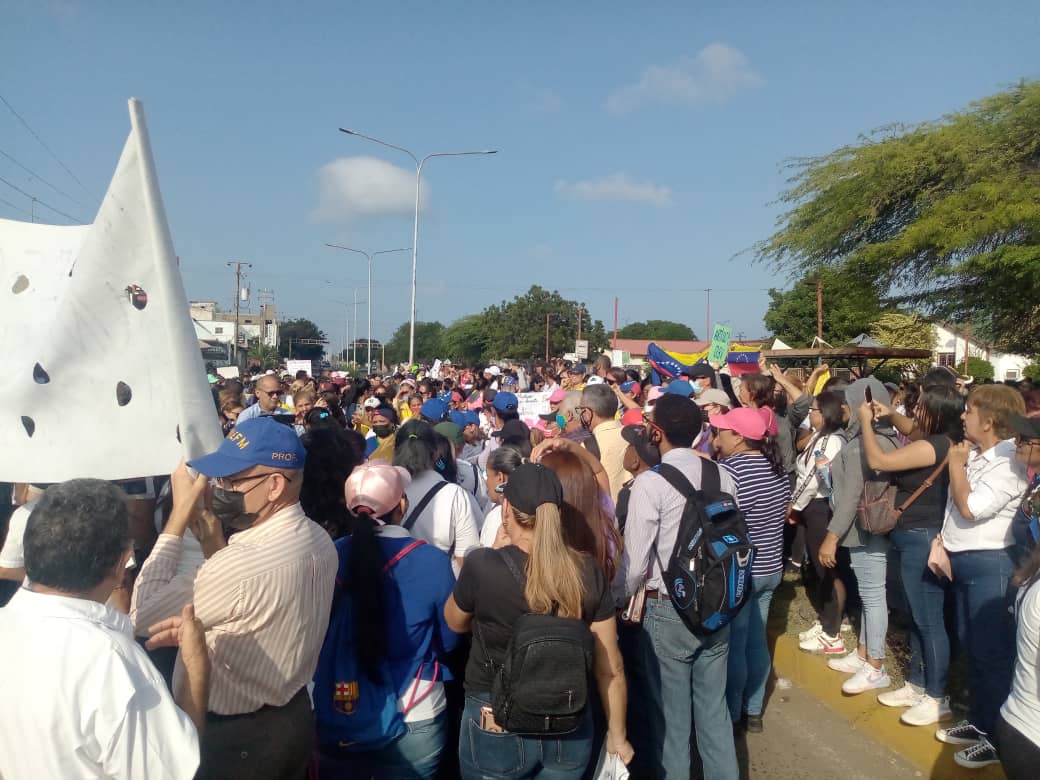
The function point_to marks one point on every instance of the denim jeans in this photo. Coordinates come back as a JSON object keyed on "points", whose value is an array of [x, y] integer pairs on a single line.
{"points": [[925, 593], [986, 629], [484, 754], [682, 667], [749, 661], [415, 755], [870, 565]]}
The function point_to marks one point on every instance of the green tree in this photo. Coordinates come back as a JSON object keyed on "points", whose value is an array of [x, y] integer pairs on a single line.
{"points": [[264, 356], [464, 340], [657, 329], [944, 215], [296, 330], [906, 331], [516, 328], [427, 342], [1032, 372], [850, 305], [980, 368]]}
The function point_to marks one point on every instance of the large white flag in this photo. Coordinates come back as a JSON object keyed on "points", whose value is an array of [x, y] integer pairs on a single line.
{"points": [[100, 370]]}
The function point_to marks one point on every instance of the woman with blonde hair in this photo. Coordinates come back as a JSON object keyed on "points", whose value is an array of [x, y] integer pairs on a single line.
{"points": [[537, 575]]}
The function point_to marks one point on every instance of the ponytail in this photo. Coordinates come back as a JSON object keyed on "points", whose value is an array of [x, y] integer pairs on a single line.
{"points": [[365, 587], [554, 570]]}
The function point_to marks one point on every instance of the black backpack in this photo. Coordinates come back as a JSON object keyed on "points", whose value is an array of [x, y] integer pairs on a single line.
{"points": [[542, 686], [709, 572]]}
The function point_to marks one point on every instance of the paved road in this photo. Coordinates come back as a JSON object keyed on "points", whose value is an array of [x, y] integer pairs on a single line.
{"points": [[804, 739]]}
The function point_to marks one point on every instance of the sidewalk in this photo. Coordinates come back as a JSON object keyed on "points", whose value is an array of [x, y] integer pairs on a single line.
{"points": [[916, 744]]}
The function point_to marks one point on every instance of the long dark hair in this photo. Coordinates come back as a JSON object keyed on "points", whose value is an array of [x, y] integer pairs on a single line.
{"points": [[938, 411], [365, 585], [444, 458], [414, 446], [770, 450], [331, 456]]}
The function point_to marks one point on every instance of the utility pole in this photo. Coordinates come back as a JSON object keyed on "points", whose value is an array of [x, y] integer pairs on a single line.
{"points": [[707, 317], [581, 310], [819, 309], [238, 295]]}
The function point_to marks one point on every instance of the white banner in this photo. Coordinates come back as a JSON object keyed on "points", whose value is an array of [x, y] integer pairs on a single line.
{"points": [[292, 366], [103, 375], [530, 405]]}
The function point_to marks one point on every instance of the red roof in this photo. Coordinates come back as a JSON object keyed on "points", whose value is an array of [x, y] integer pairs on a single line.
{"points": [[638, 346]]}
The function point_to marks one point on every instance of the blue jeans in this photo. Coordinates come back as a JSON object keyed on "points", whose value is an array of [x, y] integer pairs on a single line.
{"points": [[749, 661], [415, 755], [925, 593], [484, 754], [682, 667], [870, 565], [986, 629]]}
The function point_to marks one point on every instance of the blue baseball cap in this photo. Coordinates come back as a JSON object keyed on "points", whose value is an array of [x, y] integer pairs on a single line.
{"points": [[679, 387], [462, 419], [445, 396], [505, 402], [260, 441], [434, 409], [627, 386]]}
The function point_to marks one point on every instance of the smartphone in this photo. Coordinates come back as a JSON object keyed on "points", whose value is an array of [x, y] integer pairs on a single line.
{"points": [[487, 721], [868, 395]]}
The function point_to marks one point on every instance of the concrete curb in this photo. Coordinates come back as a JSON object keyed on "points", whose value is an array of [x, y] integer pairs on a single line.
{"points": [[917, 744]]}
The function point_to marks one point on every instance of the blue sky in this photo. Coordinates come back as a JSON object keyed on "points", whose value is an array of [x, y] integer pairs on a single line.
{"points": [[640, 145]]}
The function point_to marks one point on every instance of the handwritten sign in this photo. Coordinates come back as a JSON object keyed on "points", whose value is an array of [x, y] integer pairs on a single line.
{"points": [[719, 344]]}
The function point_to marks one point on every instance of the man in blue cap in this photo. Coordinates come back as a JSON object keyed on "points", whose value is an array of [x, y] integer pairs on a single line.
{"points": [[264, 596], [504, 407], [434, 410], [472, 436]]}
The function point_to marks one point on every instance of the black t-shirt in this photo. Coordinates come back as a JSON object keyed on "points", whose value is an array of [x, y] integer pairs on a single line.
{"points": [[928, 509], [487, 589]]}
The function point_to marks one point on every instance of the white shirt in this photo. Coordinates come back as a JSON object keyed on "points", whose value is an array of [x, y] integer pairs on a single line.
{"points": [[80, 699], [997, 481], [654, 511], [492, 522], [806, 487], [1022, 708], [12, 555], [448, 522]]}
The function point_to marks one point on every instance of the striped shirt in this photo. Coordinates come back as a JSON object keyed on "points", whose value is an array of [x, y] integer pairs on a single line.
{"points": [[762, 496], [265, 601]]}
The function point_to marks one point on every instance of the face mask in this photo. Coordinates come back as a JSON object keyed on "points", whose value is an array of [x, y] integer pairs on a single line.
{"points": [[229, 507], [561, 421], [697, 389], [381, 431]]}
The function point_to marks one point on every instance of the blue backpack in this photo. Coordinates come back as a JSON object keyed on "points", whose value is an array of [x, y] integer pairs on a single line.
{"points": [[351, 711]]}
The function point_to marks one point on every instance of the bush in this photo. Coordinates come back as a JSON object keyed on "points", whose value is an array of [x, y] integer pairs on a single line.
{"points": [[1032, 372], [978, 368]]}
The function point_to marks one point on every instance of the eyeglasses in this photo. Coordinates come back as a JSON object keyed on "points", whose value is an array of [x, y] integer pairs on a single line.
{"points": [[814, 408], [229, 484], [271, 393], [713, 430]]}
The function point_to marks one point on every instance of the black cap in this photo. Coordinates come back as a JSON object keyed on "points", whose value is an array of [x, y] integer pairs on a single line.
{"points": [[513, 432], [531, 485], [489, 394], [636, 436], [1025, 426], [699, 369]]}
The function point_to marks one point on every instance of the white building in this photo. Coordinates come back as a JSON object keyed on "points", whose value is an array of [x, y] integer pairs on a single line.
{"points": [[950, 347], [211, 324]]}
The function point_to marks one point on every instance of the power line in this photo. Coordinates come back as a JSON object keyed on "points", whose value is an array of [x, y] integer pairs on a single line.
{"points": [[16, 208], [40, 178], [41, 202], [44, 145]]}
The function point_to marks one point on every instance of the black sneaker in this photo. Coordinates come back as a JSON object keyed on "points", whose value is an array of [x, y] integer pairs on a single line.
{"points": [[961, 734], [978, 755]]}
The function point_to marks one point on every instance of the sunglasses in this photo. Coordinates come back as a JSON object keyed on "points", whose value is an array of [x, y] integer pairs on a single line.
{"points": [[1032, 441]]}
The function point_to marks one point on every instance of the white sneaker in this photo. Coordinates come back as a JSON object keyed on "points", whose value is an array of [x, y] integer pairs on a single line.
{"points": [[813, 631], [848, 664], [907, 696], [824, 643], [866, 679], [927, 711]]}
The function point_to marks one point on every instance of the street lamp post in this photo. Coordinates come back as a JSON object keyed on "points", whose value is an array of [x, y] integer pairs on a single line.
{"points": [[368, 257], [415, 230]]}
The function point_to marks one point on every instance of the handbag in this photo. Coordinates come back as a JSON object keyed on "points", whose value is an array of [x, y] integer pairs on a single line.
{"points": [[939, 559], [877, 505]]}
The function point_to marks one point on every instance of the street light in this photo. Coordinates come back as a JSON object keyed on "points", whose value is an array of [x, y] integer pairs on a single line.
{"points": [[368, 256], [415, 231]]}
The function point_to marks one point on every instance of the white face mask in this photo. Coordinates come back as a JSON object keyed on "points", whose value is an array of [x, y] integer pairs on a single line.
{"points": [[697, 389]]}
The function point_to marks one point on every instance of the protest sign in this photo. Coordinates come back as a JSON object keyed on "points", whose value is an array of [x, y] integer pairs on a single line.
{"points": [[719, 344]]}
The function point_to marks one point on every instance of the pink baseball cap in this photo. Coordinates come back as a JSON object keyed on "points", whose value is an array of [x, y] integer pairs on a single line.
{"points": [[749, 423], [655, 392], [557, 395], [375, 488]]}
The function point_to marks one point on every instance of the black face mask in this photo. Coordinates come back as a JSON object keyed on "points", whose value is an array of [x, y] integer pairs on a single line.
{"points": [[382, 431], [229, 507]]}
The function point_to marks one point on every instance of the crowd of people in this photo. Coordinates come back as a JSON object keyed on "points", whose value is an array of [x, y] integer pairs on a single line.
{"points": [[403, 576]]}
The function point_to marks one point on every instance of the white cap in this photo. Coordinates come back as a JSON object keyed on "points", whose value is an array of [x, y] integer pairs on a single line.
{"points": [[493, 370], [594, 380]]}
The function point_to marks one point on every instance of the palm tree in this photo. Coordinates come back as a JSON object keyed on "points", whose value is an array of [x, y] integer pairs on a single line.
{"points": [[264, 354]]}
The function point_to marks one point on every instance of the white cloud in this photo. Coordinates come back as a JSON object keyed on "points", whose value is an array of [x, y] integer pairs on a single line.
{"points": [[712, 74], [615, 186], [364, 186]]}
